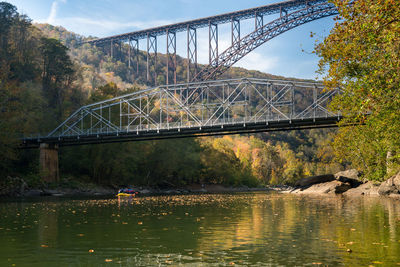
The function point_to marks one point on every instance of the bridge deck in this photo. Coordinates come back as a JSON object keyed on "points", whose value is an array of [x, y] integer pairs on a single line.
{"points": [[186, 131], [218, 19]]}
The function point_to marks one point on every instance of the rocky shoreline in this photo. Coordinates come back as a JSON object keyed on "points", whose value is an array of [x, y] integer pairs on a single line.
{"points": [[345, 183]]}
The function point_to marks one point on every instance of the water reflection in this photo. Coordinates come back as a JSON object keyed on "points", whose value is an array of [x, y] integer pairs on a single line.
{"points": [[242, 229]]}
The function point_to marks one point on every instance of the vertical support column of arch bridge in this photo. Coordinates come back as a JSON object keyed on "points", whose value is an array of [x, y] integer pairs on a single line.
{"points": [[111, 48], [151, 57], [259, 21], [213, 43], [133, 53], [48, 162], [120, 56], [191, 53], [171, 56], [235, 25]]}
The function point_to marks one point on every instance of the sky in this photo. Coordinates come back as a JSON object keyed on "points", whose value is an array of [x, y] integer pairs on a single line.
{"points": [[289, 54]]}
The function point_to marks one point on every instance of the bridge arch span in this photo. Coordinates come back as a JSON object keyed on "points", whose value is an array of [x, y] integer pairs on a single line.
{"points": [[261, 35]]}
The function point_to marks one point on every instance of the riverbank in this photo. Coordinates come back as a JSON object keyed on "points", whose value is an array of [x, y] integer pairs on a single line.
{"points": [[17, 187], [346, 183]]}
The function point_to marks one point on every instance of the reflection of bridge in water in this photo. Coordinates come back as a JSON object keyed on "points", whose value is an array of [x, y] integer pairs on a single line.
{"points": [[198, 109], [203, 105]]}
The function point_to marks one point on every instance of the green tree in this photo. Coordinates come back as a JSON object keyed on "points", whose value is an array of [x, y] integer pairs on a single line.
{"points": [[57, 73], [8, 14], [361, 55]]}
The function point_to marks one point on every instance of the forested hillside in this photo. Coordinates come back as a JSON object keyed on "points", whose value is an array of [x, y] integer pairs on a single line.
{"points": [[46, 75]]}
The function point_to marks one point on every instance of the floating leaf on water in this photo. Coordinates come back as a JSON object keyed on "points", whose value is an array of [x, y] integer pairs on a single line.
{"points": [[108, 260]]}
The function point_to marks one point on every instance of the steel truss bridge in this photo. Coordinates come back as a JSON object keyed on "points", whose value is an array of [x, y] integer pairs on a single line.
{"points": [[203, 105], [293, 13], [197, 109]]}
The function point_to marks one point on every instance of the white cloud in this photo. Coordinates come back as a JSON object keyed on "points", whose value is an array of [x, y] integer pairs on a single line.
{"points": [[53, 11]]}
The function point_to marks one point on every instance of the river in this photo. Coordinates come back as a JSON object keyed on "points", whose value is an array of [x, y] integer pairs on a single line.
{"points": [[243, 229]]}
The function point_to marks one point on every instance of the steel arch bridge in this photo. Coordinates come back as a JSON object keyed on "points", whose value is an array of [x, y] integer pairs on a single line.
{"points": [[293, 13], [197, 109]]}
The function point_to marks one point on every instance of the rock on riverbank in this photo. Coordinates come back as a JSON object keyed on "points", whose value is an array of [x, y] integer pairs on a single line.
{"points": [[347, 183]]}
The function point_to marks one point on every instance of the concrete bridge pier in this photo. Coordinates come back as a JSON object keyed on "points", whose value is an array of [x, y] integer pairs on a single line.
{"points": [[48, 161]]}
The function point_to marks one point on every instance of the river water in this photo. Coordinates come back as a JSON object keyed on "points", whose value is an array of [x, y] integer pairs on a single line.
{"points": [[246, 229]]}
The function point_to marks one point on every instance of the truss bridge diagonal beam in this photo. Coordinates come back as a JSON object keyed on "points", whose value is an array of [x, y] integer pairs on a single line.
{"points": [[171, 57], [197, 109]]}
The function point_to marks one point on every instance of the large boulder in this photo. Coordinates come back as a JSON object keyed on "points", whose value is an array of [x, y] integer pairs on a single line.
{"points": [[332, 187], [352, 173], [390, 186], [308, 181], [366, 189], [349, 176]]}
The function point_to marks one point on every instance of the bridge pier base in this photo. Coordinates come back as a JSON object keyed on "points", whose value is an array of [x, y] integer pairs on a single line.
{"points": [[48, 162]]}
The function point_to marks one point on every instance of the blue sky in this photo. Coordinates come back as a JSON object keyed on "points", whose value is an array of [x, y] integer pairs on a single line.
{"points": [[280, 56]]}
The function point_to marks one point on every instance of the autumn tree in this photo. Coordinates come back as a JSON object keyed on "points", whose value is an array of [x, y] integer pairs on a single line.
{"points": [[361, 56]]}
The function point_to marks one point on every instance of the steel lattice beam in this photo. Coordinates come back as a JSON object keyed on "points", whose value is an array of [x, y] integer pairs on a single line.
{"points": [[171, 56], [133, 52], [235, 31], [213, 42], [259, 21], [151, 57], [191, 53]]}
